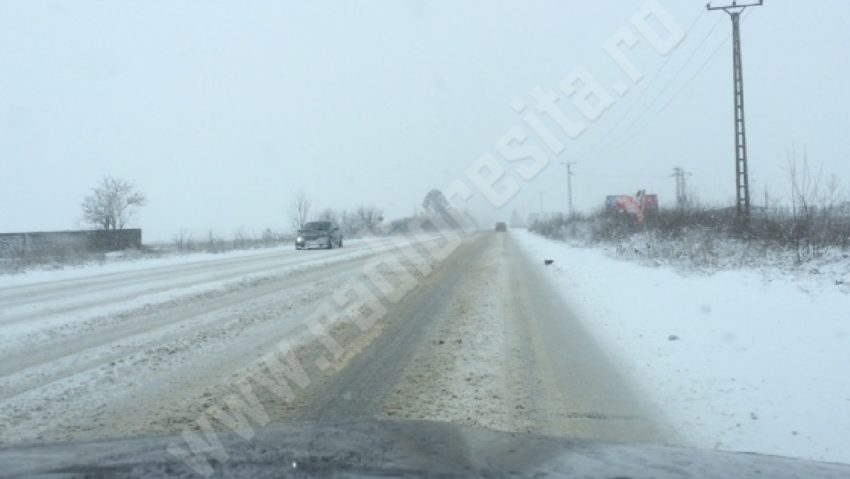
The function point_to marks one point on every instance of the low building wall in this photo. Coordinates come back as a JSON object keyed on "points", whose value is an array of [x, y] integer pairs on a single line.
{"points": [[62, 243]]}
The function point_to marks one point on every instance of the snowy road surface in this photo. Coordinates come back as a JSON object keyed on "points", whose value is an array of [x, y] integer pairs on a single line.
{"points": [[481, 339]]}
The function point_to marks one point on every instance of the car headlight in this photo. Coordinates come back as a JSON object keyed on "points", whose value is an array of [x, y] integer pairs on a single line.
{"points": [[299, 239]]}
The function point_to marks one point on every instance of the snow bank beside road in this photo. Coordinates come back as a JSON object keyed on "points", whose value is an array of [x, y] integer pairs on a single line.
{"points": [[122, 262], [739, 360], [133, 261]]}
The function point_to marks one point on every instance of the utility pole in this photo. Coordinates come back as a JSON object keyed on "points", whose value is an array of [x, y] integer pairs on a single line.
{"points": [[681, 191], [570, 210], [742, 187]]}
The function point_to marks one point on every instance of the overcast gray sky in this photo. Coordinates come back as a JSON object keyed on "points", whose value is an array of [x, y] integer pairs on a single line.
{"points": [[220, 111]]}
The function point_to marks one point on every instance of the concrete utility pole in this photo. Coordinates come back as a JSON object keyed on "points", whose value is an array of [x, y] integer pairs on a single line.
{"points": [[681, 193], [742, 187], [570, 210]]}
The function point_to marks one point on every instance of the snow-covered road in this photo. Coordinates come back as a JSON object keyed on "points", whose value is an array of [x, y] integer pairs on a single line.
{"points": [[161, 346], [118, 350], [588, 347]]}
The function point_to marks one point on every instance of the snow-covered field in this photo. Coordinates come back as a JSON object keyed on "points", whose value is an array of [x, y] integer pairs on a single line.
{"points": [[746, 360]]}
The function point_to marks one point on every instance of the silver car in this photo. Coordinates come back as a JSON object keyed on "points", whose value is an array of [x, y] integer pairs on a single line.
{"points": [[319, 234]]}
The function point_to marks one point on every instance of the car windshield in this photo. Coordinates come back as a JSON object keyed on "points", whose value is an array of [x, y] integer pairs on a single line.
{"points": [[317, 226], [545, 218]]}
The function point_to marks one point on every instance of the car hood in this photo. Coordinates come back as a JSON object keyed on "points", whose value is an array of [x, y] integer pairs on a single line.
{"points": [[392, 448]]}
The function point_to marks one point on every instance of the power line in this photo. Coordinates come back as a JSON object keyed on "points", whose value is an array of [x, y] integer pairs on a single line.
{"points": [[669, 83], [678, 92], [591, 175], [625, 141], [641, 94]]}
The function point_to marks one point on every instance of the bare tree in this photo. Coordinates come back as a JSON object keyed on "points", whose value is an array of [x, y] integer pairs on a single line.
{"points": [[328, 214], [181, 240], [112, 204], [347, 222], [804, 185], [831, 195], [240, 239], [299, 210], [436, 203], [368, 217], [269, 237], [804, 195]]}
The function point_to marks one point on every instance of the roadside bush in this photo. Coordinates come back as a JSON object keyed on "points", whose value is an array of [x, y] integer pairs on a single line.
{"points": [[706, 236], [183, 242]]}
